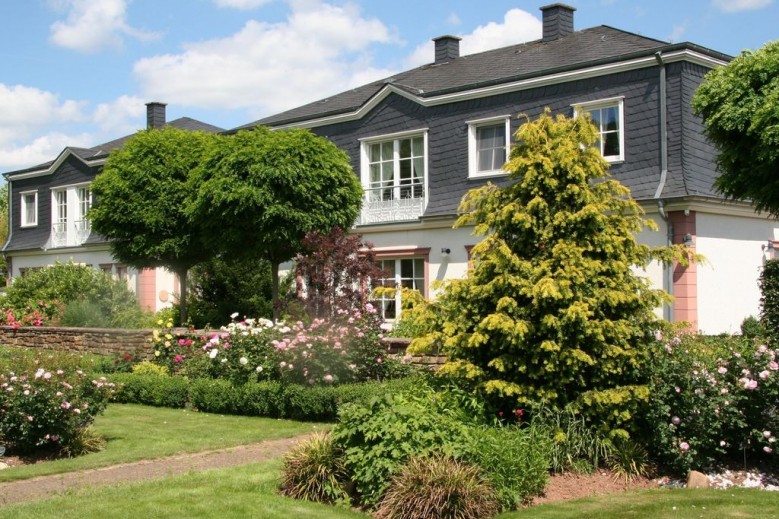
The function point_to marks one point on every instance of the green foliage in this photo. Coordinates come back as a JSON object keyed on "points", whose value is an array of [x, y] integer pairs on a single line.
{"points": [[314, 471], [96, 297], [228, 284], [259, 192], [769, 300], [141, 197], [44, 408], [149, 368], [440, 487], [153, 390], [713, 400], [739, 104], [553, 310], [515, 460], [629, 459], [86, 440], [751, 328], [576, 446]]}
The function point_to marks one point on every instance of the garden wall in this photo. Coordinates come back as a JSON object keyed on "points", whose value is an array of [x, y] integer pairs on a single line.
{"points": [[106, 341], [101, 341]]}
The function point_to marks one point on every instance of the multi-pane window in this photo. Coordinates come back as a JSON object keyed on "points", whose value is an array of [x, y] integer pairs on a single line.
{"points": [[69, 206], [29, 209], [607, 117], [396, 169], [84, 203], [398, 273], [488, 146]]}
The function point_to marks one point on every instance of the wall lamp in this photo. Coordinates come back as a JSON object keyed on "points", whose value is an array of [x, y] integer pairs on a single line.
{"points": [[688, 240], [769, 247], [446, 251]]}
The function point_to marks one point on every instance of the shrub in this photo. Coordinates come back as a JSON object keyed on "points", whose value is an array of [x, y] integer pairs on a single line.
{"points": [[314, 471], [515, 460], [216, 396], [629, 459], [576, 446], [379, 437], [151, 390], [769, 299], [168, 349], [713, 400], [85, 441], [47, 289], [48, 408], [438, 487], [149, 368], [751, 328]]}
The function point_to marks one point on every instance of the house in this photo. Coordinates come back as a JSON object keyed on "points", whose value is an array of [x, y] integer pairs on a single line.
{"points": [[419, 140], [47, 208]]}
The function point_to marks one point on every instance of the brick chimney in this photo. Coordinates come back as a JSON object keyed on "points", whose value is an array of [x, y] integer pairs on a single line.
{"points": [[155, 115], [558, 21], [447, 48]]}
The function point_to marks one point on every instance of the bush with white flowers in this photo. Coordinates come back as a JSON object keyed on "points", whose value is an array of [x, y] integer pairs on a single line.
{"points": [[48, 408]]}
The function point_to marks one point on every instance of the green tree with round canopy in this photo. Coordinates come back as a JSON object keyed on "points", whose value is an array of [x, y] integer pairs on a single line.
{"points": [[260, 192], [140, 201], [739, 104]]}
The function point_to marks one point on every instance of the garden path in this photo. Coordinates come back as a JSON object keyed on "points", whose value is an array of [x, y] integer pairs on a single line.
{"points": [[50, 486]]}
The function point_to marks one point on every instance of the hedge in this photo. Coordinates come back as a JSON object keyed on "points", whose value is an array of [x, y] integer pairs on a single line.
{"points": [[270, 399]]}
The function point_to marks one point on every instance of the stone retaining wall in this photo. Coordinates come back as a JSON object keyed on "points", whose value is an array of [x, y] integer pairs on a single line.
{"points": [[113, 342]]}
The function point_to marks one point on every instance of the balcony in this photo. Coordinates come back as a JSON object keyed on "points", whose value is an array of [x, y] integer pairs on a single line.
{"points": [[70, 234], [392, 204]]}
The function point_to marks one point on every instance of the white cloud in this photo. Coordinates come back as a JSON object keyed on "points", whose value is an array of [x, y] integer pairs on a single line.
{"points": [[92, 25], [518, 26], [245, 5], [677, 33], [120, 117], [732, 6], [43, 149], [23, 109], [319, 50], [453, 19]]}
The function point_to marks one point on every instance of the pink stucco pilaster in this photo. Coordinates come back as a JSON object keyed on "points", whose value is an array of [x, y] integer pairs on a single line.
{"points": [[685, 279]]}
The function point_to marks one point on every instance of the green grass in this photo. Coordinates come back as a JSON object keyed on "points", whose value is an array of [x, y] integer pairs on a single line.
{"points": [[661, 504], [248, 491], [136, 432]]}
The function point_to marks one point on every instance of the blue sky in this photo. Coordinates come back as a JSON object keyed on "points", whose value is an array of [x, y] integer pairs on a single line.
{"points": [[78, 72]]}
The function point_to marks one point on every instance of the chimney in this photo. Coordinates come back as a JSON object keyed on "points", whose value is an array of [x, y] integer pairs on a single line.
{"points": [[155, 115], [558, 21], [447, 48]]}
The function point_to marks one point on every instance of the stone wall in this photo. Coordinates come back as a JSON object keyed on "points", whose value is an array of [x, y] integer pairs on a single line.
{"points": [[101, 341], [113, 342]]}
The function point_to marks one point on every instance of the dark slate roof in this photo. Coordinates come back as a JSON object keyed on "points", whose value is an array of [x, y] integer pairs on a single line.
{"points": [[589, 47], [102, 150]]}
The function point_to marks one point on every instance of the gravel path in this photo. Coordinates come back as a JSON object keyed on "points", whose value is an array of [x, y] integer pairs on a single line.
{"points": [[49, 486]]}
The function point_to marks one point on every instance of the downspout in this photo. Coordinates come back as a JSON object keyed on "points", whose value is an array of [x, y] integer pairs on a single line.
{"points": [[10, 233], [668, 279]]}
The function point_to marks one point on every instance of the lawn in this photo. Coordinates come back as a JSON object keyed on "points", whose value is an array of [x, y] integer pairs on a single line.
{"points": [[250, 491], [136, 432]]}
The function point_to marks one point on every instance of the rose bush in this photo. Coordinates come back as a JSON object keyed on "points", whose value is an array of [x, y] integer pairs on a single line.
{"points": [[713, 400], [48, 407]]}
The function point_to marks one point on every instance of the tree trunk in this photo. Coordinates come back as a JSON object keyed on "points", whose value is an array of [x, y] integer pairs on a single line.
{"points": [[274, 276], [182, 274]]}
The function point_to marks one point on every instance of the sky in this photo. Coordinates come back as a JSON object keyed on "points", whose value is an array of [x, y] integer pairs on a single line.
{"points": [[79, 72]]}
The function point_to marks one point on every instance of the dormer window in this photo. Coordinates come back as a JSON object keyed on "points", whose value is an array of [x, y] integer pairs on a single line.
{"points": [[29, 209], [69, 224], [608, 117], [488, 146]]}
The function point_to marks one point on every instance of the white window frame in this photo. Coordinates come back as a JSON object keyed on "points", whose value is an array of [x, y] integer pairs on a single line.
{"points": [[365, 175], [398, 282], [75, 228], [473, 145], [611, 102], [23, 209]]}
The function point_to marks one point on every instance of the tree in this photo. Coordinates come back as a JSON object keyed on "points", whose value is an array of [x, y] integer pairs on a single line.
{"points": [[739, 104], [260, 192], [224, 285], [336, 270], [552, 310], [140, 201]]}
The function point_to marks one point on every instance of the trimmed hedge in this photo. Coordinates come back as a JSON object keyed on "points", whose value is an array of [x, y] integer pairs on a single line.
{"points": [[270, 399]]}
